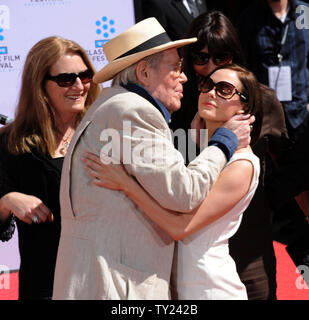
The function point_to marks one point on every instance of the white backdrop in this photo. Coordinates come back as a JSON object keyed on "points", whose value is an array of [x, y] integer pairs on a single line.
{"points": [[24, 22]]}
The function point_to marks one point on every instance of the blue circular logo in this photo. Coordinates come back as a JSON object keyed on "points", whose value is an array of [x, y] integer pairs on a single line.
{"points": [[105, 27]]}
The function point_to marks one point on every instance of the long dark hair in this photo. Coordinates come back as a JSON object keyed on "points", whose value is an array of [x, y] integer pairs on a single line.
{"points": [[214, 30]]}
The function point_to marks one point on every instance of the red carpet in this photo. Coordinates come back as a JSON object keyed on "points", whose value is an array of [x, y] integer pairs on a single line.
{"points": [[12, 292], [290, 284]]}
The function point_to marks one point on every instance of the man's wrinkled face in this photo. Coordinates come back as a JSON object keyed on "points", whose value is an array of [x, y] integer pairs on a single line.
{"points": [[167, 79]]}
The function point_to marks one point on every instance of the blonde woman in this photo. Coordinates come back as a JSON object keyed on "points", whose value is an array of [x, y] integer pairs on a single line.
{"points": [[56, 91], [205, 270]]}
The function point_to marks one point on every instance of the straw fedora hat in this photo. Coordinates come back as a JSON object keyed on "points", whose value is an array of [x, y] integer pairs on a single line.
{"points": [[145, 38]]}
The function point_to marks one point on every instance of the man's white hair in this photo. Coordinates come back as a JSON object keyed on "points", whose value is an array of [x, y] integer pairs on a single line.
{"points": [[129, 74]]}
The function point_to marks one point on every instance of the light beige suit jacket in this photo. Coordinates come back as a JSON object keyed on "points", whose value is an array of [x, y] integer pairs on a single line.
{"points": [[108, 248]]}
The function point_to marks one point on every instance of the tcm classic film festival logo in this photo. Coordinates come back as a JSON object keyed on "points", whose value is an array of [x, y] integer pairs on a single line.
{"points": [[7, 60], [34, 3], [4, 25], [104, 29]]}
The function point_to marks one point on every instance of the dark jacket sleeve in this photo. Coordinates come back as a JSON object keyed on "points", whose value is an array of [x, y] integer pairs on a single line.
{"points": [[291, 177], [274, 125]]}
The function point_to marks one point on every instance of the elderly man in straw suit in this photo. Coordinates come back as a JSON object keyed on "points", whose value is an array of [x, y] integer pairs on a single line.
{"points": [[108, 248]]}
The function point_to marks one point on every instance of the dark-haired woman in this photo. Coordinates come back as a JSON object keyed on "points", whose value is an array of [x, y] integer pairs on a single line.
{"points": [[252, 246]]}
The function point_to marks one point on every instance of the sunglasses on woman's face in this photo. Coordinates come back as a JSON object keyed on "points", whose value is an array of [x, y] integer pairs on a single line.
{"points": [[200, 58], [68, 79], [223, 89]]}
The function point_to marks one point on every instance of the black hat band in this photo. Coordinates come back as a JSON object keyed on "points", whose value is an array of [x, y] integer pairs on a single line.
{"points": [[156, 41]]}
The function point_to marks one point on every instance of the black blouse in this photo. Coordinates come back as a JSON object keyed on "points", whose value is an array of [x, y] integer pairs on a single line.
{"points": [[39, 175]]}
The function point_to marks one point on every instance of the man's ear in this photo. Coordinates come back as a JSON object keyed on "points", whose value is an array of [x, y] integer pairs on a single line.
{"points": [[143, 73]]}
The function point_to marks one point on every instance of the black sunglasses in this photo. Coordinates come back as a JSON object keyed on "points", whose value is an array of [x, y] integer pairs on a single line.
{"points": [[68, 79], [200, 58], [223, 89]]}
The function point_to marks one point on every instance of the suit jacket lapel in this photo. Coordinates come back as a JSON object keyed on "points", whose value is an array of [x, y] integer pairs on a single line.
{"points": [[182, 9]]}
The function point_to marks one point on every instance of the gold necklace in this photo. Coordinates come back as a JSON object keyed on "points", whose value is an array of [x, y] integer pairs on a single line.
{"points": [[65, 143]]}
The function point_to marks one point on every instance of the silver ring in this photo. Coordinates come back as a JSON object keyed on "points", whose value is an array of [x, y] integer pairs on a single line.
{"points": [[251, 128], [35, 219]]}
